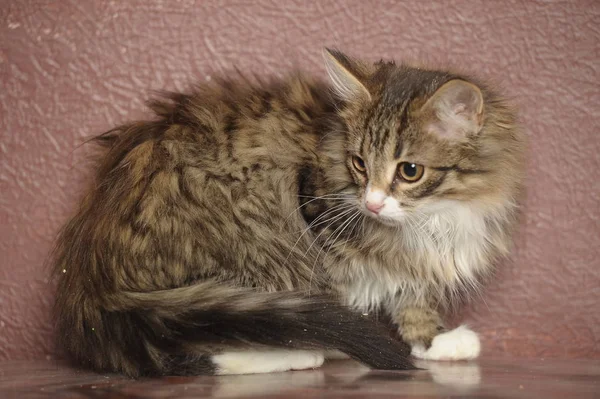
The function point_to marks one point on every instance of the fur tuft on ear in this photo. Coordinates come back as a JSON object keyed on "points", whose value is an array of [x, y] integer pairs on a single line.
{"points": [[455, 110], [346, 75]]}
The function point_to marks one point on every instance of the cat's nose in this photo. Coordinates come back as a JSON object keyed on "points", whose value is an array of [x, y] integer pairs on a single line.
{"points": [[374, 207], [374, 200]]}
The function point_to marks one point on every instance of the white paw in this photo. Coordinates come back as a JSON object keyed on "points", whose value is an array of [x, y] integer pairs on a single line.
{"points": [[458, 344], [307, 360], [266, 361]]}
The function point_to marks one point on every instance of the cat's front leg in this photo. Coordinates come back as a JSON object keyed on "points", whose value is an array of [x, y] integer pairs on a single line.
{"points": [[422, 328]]}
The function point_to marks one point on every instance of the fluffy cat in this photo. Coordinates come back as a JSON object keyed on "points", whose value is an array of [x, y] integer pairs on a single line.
{"points": [[258, 226]]}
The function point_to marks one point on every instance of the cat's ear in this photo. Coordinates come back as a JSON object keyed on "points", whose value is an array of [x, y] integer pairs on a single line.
{"points": [[455, 110], [346, 75]]}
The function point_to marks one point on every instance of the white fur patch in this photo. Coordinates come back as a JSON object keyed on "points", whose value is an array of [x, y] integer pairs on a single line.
{"points": [[268, 361], [392, 210], [448, 244], [458, 344], [374, 195], [365, 294], [452, 239]]}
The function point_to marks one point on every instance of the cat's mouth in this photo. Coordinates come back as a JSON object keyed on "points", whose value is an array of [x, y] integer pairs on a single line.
{"points": [[380, 217]]}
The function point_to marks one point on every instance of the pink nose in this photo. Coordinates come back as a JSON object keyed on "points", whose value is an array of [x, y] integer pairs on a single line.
{"points": [[374, 207]]}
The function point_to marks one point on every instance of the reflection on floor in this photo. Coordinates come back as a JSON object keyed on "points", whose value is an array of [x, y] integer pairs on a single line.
{"points": [[486, 378]]}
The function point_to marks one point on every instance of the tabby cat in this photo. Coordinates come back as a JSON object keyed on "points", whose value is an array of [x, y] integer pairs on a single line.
{"points": [[258, 226]]}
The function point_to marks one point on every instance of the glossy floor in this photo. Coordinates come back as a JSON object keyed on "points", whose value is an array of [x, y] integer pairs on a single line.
{"points": [[486, 378]]}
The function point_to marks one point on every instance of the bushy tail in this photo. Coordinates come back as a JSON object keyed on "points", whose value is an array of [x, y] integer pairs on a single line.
{"points": [[171, 332]]}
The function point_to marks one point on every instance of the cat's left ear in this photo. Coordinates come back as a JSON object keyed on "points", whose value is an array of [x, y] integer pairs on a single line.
{"points": [[455, 110], [347, 75]]}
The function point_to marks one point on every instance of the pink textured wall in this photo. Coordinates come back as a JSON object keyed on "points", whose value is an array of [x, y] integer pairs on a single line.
{"points": [[74, 68]]}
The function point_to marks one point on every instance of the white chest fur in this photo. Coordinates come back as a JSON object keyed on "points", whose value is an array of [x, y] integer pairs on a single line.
{"points": [[443, 248]]}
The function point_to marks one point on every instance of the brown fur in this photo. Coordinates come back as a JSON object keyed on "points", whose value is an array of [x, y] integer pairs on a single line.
{"points": [[193, 215]]}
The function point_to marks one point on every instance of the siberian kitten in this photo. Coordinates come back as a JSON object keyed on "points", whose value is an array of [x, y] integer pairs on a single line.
{"points": [[254, 226]]}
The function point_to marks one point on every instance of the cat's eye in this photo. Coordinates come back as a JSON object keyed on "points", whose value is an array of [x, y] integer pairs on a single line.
{"points": [[359, 164], [410, 172]]}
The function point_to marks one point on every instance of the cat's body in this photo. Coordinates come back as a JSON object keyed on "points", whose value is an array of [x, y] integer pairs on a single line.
{"points": [[235, 232]]}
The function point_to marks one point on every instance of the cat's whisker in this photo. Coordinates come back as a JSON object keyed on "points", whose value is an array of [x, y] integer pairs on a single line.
{"points": [[326, 195], [418, 220], [339, 208], [340, 228], [319, 219], [315, 240], [333, 220], [331, 197], [350, 236], [312, 224]]}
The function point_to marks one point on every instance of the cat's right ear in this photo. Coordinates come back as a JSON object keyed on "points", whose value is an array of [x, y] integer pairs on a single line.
{"points": [[455, 110], [346, 75]]}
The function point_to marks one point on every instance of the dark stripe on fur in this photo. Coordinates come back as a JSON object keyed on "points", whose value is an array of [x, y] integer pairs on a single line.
{"points": [[175, 332], [284, 320], [459, 170], [431, 187], [318, 325]]}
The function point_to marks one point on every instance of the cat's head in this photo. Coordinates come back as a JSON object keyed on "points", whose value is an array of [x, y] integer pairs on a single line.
{"points": [[413, 140]]}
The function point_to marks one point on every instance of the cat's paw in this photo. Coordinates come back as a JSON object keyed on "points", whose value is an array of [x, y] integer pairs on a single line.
{"points": [[458, 344], [308, 360], [267, 361]]}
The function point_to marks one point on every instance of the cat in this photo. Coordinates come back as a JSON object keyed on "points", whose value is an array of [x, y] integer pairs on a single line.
{"points": [[258, 226]]}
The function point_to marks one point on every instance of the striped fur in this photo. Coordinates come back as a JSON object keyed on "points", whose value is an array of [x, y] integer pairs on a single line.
{"points": [[234, 222]]}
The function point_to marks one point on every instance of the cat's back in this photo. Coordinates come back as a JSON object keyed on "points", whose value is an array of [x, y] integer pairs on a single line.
{"points": [[231, 120], [236, 133], [241, 121], [216, 168]]}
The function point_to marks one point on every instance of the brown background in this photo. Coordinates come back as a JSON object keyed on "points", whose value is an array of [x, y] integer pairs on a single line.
{"points": [[74, 68]]}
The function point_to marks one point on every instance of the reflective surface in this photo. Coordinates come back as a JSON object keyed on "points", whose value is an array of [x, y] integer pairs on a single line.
{"points": [[486, 378]]}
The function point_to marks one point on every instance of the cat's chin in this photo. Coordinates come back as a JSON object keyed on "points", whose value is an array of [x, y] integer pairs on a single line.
{"points": [[385, 220], [388, 221]]}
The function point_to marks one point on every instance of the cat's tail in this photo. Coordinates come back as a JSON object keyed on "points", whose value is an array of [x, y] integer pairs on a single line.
{"points": [[172, 331]]}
